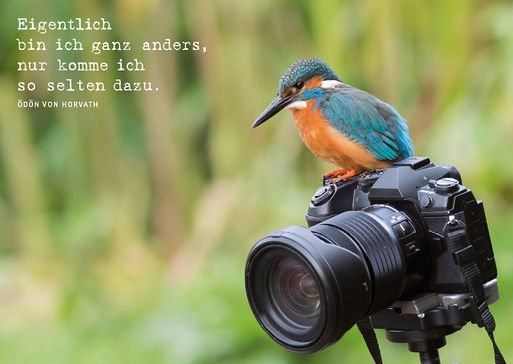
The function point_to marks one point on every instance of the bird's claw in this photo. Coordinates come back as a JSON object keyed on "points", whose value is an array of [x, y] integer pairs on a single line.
{"points": [[338, 175], [335, 173]]}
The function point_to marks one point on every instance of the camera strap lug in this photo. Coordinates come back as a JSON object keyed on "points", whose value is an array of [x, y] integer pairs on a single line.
{"points": [[456, 235]]}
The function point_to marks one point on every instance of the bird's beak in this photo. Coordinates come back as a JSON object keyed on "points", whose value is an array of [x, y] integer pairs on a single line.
{"points": [[275, 107]]}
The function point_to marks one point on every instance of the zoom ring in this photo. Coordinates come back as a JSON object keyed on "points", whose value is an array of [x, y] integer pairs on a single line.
{"points": [[381, 249]]}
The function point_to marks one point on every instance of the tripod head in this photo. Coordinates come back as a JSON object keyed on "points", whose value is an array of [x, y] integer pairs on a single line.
{"points": [[424, 322]]}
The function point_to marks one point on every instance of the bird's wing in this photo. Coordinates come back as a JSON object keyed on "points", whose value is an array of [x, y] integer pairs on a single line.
{"points": [[369, 121]]}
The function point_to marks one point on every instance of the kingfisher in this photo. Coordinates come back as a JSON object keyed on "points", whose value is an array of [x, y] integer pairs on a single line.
{"points": [[339, 123]]}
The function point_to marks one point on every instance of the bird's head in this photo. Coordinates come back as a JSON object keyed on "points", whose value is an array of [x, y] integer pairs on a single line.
{"points": [[299, 77]]}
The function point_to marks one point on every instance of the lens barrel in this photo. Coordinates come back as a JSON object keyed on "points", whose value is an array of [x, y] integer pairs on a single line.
{"points": [[307, 287]]}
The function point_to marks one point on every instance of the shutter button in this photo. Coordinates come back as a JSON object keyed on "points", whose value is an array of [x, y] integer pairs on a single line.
{"points": [[446, 185]]}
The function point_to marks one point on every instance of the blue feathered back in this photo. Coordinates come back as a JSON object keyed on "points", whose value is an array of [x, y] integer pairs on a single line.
{"points": [[365, 119]]}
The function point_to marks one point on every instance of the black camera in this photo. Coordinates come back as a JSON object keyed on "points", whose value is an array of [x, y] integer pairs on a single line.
{"points": [[396, 245]]}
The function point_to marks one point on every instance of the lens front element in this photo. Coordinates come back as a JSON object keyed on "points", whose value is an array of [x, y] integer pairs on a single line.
{"points": [[294, 293], [286, 294]]}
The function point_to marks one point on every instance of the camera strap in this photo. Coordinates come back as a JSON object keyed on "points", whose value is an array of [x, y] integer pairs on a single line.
{"points": [[367, 331], [456, 235]]}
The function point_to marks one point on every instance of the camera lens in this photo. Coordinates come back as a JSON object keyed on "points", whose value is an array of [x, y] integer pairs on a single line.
{"points": [[306, 287], [287, 294], [294, 293]]}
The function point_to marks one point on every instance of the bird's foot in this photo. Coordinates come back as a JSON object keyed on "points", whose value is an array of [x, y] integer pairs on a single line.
{"points": [[338, 175], [335, 173]]}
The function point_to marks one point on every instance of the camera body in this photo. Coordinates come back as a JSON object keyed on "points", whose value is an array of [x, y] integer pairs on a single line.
{"points": [[394, 245], [432, 196]]}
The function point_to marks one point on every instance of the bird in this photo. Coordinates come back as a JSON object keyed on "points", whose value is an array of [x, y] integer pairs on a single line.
{"points": [[340, 124]]}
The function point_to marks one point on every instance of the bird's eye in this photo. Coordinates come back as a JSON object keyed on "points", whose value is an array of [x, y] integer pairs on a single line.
{"points": [[299, 85]]}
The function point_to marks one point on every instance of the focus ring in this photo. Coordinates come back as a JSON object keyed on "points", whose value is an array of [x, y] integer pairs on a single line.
{"points": [[381, 250]]}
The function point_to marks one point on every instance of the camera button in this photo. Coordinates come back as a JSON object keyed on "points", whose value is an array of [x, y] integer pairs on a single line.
{"points": [[412, 248], [426, 201], [402, 229], [322, 195], [446, 185]]}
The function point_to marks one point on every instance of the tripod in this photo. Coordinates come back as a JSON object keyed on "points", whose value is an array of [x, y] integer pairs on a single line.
{"points": [[424, 332]]}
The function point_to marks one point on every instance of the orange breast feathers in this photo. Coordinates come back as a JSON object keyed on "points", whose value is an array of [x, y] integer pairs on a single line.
{"points": [[329, 144]]}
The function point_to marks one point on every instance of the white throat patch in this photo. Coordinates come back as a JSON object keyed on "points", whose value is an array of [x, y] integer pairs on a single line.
{"points": [[329, 84], [296, 105]]}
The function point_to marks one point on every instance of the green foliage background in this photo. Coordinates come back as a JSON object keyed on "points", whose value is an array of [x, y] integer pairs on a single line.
{"points": [[124, 230]]}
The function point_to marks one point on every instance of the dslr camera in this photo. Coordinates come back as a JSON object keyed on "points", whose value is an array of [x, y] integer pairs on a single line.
{"points": [[406, 248]]}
